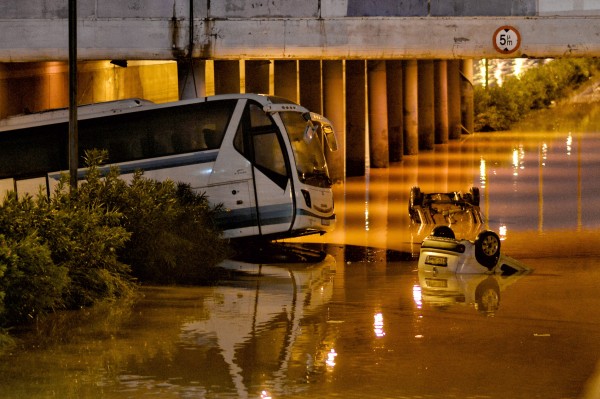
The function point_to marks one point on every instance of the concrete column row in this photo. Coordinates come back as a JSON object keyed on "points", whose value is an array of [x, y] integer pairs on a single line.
{"points": [[404, 106]]}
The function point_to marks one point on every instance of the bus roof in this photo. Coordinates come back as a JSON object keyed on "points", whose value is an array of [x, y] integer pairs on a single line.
{"points": [[61, 115]]}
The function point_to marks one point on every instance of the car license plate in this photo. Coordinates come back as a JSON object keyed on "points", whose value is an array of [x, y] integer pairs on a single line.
{"points": [[436, 260], [436, 283]]}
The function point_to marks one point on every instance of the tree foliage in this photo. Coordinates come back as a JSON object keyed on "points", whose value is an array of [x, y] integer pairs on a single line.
{"points": [[499, 107], [76, 249]]}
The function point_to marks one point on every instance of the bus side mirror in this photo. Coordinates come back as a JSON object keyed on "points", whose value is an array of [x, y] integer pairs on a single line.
{"points": [[327, 129], [330, 137]]}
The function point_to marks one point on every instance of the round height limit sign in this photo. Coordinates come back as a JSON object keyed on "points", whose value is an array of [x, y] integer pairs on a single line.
{"points": [[507, 40]]}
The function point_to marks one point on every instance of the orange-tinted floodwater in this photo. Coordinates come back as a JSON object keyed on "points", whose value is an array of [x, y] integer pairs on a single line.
{"points": [[360, 324]]}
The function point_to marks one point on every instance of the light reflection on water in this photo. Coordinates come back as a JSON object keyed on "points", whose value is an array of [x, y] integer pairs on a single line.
{"points": [[360, 324], [538, 190]]}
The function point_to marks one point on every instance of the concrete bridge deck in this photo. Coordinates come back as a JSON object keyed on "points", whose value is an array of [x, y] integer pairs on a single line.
{"points": [[37, 30]]}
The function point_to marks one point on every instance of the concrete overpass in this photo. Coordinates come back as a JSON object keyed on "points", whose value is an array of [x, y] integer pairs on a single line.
{"points": [[409, 61], [36, 30]]}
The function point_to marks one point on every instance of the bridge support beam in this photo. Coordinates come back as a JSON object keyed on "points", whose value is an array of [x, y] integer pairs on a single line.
{"points": [[426, 105], [286, 79], [410, 102], [441, 101], [257, 76], [356, 118], [394, 103], [467, 99], [334, 108], [378, 116], [311, 85], [227, 77], [191, 78], [454, 98]]}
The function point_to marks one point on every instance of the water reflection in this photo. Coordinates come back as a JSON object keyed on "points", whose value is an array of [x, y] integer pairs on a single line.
{"points": [[365, 323], [256, 324], [479, 291], [535, 184]]}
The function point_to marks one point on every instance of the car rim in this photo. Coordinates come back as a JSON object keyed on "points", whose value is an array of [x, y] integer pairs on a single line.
{"points": [[489, 245]]}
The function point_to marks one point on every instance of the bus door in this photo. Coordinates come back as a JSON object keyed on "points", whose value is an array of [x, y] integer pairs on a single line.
{"points": [[258, 155], [231, 184], [271, 169]]}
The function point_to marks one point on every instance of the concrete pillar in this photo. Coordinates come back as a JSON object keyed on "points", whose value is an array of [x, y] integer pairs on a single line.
{"points": [[378, 117], [454, 103], [441, 101], [257, 76], [4, 93], [227, 77], [334, 109], [426, 105], [356, 119], [394, 103], [468, 106], [286, 79], [311, 85], [411, 107], [191, 79]]}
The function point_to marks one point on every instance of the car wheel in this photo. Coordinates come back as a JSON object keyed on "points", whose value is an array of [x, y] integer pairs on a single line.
{"points": [[415, 199], [487, 249]]}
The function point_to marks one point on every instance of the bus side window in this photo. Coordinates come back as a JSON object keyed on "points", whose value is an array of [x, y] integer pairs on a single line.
{"points": [[268, 153], [267, 148], [208, 123], [258, 118]]}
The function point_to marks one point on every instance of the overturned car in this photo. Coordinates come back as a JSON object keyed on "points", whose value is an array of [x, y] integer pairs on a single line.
{"points": [[442, 252], [457, 209], [444, 208]]}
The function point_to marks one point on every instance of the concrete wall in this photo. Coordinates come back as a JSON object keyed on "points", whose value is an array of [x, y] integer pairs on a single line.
{"points": [[52, 9], [38, 86], [88, 9], [36, 30], [92, 9]]}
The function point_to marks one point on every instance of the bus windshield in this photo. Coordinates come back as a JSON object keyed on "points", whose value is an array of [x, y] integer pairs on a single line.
{"points": [[308, 149]]}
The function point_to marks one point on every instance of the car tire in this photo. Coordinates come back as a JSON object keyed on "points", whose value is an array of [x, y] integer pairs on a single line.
{"points": [[415, 199], [487, 249]]}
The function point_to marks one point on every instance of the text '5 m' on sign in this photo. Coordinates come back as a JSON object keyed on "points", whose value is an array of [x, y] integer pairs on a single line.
{"points": [[506, 40]]}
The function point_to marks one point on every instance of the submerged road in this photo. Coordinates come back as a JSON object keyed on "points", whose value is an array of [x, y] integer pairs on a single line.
{"points": [[360, 324]]}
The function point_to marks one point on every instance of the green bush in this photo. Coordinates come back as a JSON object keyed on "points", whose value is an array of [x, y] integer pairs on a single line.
{"points": [[81, 240], [499, 107], [32, 284], [77, 249], [174, 238]]}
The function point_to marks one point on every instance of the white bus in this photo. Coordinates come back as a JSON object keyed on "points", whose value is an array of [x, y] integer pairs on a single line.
{"points": [[262, 157]]}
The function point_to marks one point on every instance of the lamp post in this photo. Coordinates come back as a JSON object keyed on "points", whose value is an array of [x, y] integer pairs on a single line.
{"points": [[73, 135]]}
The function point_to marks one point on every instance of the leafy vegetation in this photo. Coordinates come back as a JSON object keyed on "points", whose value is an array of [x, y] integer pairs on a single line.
{"points": [[499, 107], [74, 250]]}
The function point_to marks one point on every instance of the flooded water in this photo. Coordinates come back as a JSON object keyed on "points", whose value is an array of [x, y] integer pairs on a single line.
{"points": [[360, 324]]}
